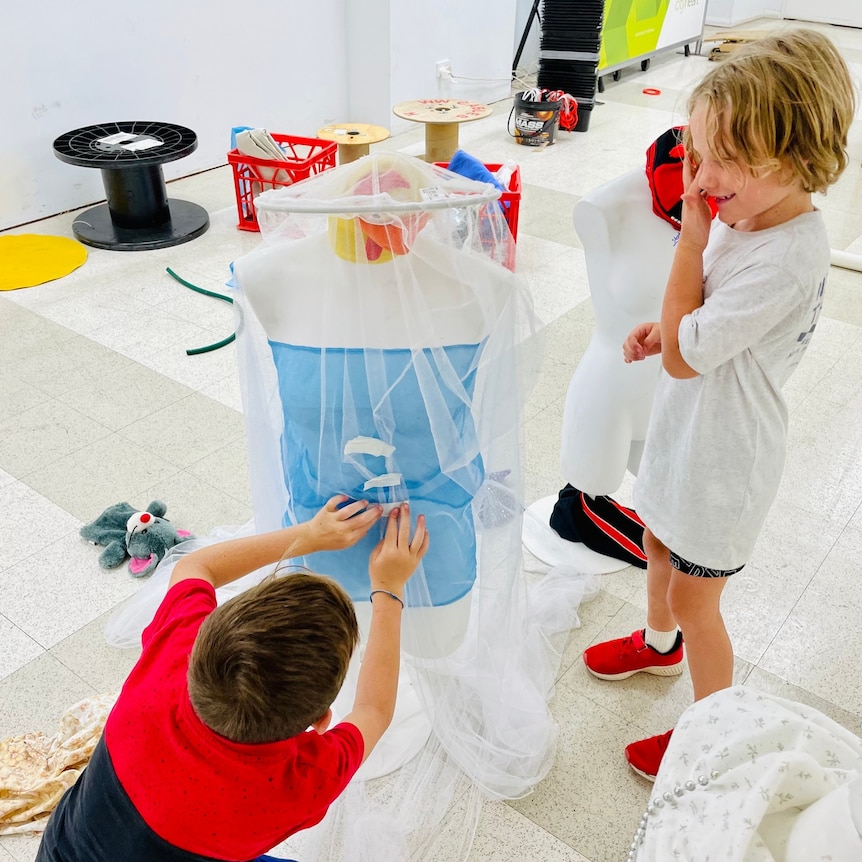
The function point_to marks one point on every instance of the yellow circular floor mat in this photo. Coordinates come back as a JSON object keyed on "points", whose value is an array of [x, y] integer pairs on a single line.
{"points": [[29, 259]]}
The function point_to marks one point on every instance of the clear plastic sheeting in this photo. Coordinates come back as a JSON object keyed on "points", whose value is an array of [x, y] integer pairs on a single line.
{"points": [[385, 354]]}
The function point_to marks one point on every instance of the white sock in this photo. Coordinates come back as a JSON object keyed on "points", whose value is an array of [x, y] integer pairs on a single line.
{"points": [[660, 641]]}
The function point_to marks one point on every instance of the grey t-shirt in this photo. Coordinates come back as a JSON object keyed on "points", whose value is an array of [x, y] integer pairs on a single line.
{"points": [[715, 448]]}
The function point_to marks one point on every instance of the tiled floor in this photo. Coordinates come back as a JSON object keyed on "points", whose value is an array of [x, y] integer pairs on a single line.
{"points": [[99, 403]]}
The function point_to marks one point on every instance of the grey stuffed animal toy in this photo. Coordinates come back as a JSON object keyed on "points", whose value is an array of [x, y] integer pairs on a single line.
{"points": [[145, 536]]}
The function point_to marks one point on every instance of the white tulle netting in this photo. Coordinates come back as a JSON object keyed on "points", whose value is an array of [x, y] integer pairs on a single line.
{"points": [[386, 350]]}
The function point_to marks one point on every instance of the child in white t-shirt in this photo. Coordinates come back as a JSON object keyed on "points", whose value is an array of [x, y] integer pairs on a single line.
{"points": [[768, 127]]}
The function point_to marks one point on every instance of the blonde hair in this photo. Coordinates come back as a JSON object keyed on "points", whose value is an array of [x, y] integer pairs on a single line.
{"points": [[268, 663], [785, 101]]}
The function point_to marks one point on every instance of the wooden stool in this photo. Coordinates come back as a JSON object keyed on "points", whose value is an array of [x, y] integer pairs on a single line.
{"points": [[354, 139], [442, 118]]}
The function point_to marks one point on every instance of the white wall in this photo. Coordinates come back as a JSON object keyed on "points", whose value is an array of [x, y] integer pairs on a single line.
{"points": [[204, 65], [529, 60], [369, 79], [845, 12], [729, 13], [286, 65], [474, 36], [395, 46]]}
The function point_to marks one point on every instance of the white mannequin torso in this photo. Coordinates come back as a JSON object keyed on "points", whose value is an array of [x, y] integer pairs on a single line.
{"points": [[628, 252]]}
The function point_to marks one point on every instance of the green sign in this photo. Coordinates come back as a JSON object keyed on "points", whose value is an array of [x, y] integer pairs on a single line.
{"points": [[634, 28]]}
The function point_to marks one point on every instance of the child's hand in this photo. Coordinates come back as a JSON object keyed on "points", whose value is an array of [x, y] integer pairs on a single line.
{"points": [[696, 214], [644, 340], [395, 558], [333, 529]]}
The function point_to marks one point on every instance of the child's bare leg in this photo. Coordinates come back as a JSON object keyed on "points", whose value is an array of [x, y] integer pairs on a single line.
{"points": [[695, 603], [659, 571]]}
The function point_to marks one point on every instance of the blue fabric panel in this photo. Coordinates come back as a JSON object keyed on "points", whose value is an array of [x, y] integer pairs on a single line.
{"points": [[331, 396]]}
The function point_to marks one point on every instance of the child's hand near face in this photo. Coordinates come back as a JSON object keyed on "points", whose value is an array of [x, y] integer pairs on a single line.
{"points": [[696, 212], [334, 528]]}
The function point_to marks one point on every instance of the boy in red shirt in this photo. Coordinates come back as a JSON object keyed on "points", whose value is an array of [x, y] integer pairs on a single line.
{"points": [[218, 747]]}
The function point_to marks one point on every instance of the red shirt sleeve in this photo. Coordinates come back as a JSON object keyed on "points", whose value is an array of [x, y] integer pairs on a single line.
{"points": [[186, 605]]}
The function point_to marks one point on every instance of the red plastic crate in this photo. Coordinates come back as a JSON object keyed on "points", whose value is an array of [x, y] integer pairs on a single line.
{"points": [[510, 200], [251, 176]]}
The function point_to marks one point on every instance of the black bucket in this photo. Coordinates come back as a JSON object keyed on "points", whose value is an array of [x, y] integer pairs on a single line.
{"points": [[584, 113], [535, 123]]}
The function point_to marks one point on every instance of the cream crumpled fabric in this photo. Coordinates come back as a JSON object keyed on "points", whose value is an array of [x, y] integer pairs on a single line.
{"points": [[37, 769]]}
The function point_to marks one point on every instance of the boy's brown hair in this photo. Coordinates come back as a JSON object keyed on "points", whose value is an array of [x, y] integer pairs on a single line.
{"points": [[783, 101], [269, 662]]}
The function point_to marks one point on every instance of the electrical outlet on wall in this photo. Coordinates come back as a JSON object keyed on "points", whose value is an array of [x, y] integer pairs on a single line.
{"points": [[444, 69]]}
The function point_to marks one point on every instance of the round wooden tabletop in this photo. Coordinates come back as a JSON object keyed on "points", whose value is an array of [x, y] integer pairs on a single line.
{"points": [[441, 110], [353, 134], [354, 139]]}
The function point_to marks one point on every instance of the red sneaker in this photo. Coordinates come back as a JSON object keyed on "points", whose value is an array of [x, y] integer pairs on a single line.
{"points": [[624, 657], [645, 756]]}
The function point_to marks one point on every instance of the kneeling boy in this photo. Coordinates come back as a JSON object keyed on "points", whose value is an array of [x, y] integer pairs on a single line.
{"points": [[218, 747]]}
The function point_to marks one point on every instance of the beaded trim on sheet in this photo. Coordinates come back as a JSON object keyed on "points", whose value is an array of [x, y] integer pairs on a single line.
{"points": [[656, 804]]}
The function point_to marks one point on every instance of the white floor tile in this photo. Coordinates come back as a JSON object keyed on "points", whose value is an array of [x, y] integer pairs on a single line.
{"points": [[109, 471], [20, 848], [86, 654], [201, 370], [591, 801], [816, 648], [187, 430], [23, 509], [35, 697], [504, 835], [49, 602], [18, 649], [197, 505], [44, 434]]}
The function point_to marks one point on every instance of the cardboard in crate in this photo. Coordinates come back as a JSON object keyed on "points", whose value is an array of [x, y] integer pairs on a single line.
{"points": [[251, 176], [510, 200]]}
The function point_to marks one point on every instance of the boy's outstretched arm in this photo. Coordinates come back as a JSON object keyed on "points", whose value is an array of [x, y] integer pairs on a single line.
{"points": [[392, 562], [331, 529]]}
